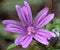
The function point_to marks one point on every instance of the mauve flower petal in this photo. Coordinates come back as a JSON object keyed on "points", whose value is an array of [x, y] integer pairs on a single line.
{"points": [[41, 39], [21, 14], [45, 33], [40, 16], [14, 28], [23, 40], [25, 43], [6, 22], [16, 42], [29, 11], [27, 15], [46, 20]]}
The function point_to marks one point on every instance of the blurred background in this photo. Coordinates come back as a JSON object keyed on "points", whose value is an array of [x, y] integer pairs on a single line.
{"points": [[8, 11]]}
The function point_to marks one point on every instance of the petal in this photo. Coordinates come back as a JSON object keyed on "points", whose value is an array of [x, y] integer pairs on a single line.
{"points": [[27, 15], [45, 21], [45, 33], [27, 41], [21, 14], [42, 14], [41, 39], [16, 42], [28, 9], [6, 22], [23, 40], [14, 28]]}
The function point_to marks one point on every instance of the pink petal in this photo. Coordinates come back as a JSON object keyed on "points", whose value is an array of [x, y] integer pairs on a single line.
{"points": [[42, 14], [29, 11], [23, 40], [25, 43], [41, 39], [6, 22], [27, 15], [45, 33], [45, 21], [21, 14], [14, 28], [16, 42]]}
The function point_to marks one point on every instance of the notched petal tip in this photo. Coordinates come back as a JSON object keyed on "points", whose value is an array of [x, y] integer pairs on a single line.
{"points": [[52, 15], [25, 2], [47, 43], [24, 46], [4, 22], [17, 6], [46, 8], [16, 43]]}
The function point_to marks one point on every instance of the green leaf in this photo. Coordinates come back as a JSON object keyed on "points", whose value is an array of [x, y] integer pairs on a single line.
{"points": [[32, 47], [56, 21], [13, 36], [58, 27], [58, 45], [11, 47], [49, 26]]}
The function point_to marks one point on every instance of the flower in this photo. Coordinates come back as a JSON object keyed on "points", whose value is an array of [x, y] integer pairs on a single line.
{"points": [[27, 29]]}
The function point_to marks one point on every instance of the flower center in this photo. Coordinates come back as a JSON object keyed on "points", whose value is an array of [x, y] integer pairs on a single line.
{"points": [[31, 29]]}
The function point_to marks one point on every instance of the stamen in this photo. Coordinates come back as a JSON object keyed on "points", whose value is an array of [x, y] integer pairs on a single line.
{"points": [[31, 29]]}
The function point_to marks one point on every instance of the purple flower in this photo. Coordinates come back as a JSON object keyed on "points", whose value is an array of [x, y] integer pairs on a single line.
{"points": [[29, 29]]}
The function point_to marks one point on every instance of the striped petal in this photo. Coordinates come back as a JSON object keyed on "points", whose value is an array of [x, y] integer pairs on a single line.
{"points": [[6, 22], [26, 16], [42, 14], [16, 42], [25, 43], [41, 39], [14, 28], [28, 12], [21, 14], [45, 33], [45, 21], [23, 40], [25, 13]]}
